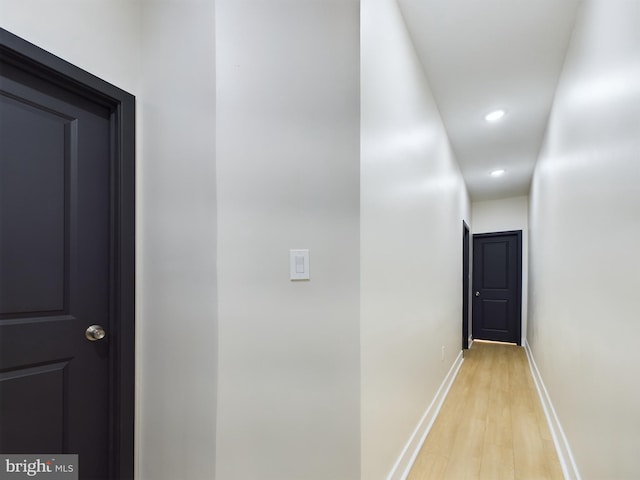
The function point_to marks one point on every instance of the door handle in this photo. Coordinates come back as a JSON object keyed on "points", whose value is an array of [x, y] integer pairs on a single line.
{"points": [[477, 293], [95, 332]]}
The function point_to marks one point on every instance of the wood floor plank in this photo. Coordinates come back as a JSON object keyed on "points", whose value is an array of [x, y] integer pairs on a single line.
{"points": [[555, 470], [430, 465], [469, 439], [497, 463], [462, 468], [528, 448], [499, 428], [491, 425]]}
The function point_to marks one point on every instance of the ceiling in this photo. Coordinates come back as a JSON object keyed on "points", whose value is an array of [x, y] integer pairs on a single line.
{"points": [[481, 55]]}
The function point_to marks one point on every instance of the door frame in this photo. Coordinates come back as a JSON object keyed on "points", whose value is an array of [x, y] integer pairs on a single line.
{"points": [[39, 62], [518, 235], [466, 237]]}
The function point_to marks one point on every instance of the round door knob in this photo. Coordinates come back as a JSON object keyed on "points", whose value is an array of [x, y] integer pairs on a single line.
{"points": [[477, 294], [95, 332]]}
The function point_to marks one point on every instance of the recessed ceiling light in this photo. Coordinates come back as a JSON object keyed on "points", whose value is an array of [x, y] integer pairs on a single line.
{"points": [[495, 115], [497, 173]]}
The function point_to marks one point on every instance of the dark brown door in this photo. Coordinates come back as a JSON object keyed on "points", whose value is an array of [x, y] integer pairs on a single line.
{"points": [[497, 286], [61, 275]]}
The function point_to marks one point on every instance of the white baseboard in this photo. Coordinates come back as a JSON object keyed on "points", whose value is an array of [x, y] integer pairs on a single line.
{"points": [[403, 465], [568, 464]]}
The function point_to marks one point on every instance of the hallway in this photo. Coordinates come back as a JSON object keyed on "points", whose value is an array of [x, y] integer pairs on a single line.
{"points": [[265, 127], [491, 425]]}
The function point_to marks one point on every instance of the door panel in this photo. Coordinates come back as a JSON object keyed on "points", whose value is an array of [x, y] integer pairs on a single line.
{"points": [[496, 315], [495, 255], [32, 189], [54, 224], [37, 426], [497, 280], [63, 243]]}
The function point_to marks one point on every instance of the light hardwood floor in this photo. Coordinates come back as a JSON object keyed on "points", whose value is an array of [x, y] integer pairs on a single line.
{"points": [[491, 425]]}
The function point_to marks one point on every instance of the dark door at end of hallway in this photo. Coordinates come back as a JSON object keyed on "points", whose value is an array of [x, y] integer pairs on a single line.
{"points": [[497, 286]]}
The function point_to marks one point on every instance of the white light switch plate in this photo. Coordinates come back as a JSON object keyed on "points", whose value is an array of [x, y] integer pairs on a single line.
{"points": [[299, 264]]}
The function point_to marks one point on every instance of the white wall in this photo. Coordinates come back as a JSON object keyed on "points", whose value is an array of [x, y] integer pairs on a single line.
{"points": [[503, 215], [413, 201], [100, 36], [585, 224], [288, 177], [177, 328]]}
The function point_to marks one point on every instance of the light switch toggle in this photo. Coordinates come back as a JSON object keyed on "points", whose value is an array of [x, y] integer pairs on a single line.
{"points": [[299, 264]]}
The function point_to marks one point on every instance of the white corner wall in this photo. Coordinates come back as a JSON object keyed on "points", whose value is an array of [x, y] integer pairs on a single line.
{"points": [[177, 329], [288, 177], [101, 36], [504, 215], [585, 224], [413, 201]]}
